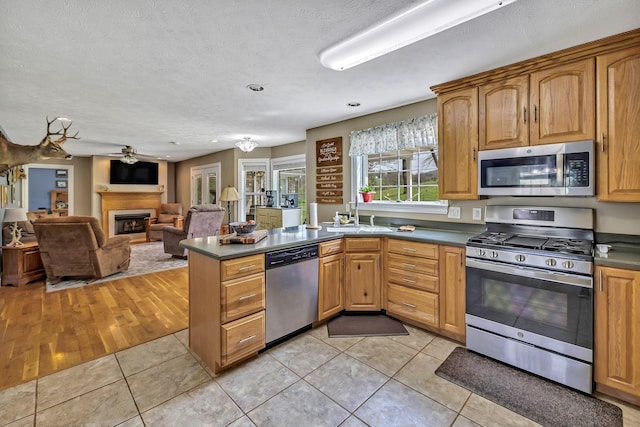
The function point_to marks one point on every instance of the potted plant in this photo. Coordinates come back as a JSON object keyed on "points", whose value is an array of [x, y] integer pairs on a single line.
{"points": [[367, 193]]}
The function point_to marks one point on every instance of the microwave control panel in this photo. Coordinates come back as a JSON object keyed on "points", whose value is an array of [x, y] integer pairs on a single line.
{"points": [[576, 169]]}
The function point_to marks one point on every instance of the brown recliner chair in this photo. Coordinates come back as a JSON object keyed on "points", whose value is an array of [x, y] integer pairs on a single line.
{"points": [[169, 214], [201, 221], [76, 246]]}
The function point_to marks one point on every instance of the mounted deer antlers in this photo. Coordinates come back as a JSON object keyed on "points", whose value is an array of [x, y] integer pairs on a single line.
{"points": [[15, 155]]}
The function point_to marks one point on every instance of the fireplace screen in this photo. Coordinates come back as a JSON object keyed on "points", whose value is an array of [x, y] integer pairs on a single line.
{"points": [[130, 223]]}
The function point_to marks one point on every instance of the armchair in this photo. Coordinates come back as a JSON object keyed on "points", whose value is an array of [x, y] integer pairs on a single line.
{"points": [[76, 246], [169, 214], [201, 221]]}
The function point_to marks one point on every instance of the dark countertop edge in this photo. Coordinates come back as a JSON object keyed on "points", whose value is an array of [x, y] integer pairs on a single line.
{"points": [[437, 236], [629, 260]]}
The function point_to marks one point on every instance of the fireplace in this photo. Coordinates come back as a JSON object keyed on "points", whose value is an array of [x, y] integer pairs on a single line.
{"points": [[127, 203], [129, 223]]}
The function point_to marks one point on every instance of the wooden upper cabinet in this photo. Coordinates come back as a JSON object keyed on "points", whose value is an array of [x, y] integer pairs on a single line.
{"points": [[503, 114], [562, 103], [458, 144], [619, 126]]}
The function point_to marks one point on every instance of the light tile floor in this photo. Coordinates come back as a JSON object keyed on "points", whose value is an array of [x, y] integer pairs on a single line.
{"points": [[311, 380]]}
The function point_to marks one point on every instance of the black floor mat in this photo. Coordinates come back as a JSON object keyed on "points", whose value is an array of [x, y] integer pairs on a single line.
{"points": [[540, 400], [365, 326]]}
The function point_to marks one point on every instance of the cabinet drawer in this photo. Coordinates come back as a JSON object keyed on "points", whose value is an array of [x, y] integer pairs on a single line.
{"points": [[242, 337], [239, 267], [413, 304], [331, 247], [242, 296], [414, 280], [362, 244], [414, 249], [413, 264]]}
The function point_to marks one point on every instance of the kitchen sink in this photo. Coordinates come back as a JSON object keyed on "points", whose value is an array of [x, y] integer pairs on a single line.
{"points": [[360, 229]]}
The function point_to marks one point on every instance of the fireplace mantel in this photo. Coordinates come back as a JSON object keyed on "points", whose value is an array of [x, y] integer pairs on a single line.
{"points": [[125, 200]]}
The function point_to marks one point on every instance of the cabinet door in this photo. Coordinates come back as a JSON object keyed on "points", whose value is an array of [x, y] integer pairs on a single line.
{"points": [[330, 286], [452, 290], [618, 126], [503, 114], [617, 330], [458, 144], [563, 103], [362, 282]]}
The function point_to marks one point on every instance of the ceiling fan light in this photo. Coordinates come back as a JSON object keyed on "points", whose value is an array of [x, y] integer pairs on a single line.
{"points": [[403, 28], [128, 159], [246, 144]]}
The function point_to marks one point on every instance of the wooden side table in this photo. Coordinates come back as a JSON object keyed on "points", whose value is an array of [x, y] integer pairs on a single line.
{"points": [[21, 264]]}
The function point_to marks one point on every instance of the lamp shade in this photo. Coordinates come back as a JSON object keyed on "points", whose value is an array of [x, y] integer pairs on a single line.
{"points": [[229, 194], [15, 215]]}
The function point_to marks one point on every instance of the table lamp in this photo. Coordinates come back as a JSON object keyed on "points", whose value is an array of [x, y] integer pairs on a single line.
{"points": [[229, 194], [12, 216]]}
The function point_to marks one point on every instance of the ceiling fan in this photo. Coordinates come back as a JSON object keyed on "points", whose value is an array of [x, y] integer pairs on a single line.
{"points": [[129, 155]]}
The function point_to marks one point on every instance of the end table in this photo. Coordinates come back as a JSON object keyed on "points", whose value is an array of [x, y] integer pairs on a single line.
{"points": [[21, 264]]}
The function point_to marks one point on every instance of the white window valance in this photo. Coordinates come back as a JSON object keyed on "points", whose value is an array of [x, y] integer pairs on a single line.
{"points": [[408, 134]]}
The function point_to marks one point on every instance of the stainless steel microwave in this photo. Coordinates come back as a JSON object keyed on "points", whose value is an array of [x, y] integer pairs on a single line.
{"points": [[565, 169]]}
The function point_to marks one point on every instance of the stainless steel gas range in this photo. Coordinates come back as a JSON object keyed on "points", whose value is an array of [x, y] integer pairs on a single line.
{"points": [[529, 291]]}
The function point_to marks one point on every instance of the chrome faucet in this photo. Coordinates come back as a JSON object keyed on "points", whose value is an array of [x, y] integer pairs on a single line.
{"points": [[356, 220], [371, 220]]}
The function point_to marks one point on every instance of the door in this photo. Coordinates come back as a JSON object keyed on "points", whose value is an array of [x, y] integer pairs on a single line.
{"points": [[563, 103], [617, 330], [362, 282], [253, 180], [618, 126], [331, 285], [503, 115], [205, 184], [458, 144]]}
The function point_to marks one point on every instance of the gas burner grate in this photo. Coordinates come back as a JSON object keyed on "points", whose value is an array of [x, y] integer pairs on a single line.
{"points": [[571, 246], [491, 238]]}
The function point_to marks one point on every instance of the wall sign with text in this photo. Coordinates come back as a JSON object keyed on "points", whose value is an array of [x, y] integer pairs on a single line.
{"points": [[329, 172]]}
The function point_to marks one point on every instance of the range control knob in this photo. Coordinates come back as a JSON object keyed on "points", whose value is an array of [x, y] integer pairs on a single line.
{"points": [[567, 264], [550, 262], [494, 254], [481, 252], [520, 258]]}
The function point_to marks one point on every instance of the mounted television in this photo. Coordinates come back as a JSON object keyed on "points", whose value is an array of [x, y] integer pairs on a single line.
{"points": [[137, 173]]}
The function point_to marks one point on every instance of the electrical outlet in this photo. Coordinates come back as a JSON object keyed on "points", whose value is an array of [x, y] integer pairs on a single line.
{"points": [[477, 214], [454, 212], [347, 207]]}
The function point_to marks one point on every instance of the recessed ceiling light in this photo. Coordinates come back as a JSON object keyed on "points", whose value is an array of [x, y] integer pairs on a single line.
{"points": [[214, 140], [63, 119], [255, 87], [353, 104]]}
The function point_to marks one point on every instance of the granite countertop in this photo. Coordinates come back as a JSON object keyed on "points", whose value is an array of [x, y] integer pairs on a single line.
{"points": [[296, 236]]}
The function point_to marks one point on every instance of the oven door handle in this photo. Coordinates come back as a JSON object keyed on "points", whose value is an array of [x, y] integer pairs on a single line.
{"points": [[535, 273]]}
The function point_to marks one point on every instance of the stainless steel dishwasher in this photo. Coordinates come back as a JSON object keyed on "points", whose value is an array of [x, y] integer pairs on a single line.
{"points": [[292, 290]]}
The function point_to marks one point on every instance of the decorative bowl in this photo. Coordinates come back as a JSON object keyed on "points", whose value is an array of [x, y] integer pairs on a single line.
{"points": [[243, 227]]}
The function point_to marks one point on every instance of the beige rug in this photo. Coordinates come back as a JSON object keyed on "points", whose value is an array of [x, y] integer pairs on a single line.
{"points": [[145, 258]]}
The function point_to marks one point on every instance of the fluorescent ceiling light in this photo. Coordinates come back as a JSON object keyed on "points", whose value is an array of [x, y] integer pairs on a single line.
{"points": [[404, 28]]}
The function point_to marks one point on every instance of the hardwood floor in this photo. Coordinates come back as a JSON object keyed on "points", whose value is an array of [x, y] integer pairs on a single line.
{"points": [[41, 332]]}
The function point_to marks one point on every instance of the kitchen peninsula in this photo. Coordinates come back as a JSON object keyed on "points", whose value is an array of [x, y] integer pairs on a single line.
{"points": [[227, 284]]}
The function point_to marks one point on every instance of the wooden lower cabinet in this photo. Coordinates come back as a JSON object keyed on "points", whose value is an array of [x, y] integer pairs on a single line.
{"points": [[226, 308], [617, 333], [362, 282], [330, 279], [452, 291]]}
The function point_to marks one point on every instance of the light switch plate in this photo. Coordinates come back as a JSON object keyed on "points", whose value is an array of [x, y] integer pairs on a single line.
{"points": [[477, 214], [454, 212], [347, 207]]}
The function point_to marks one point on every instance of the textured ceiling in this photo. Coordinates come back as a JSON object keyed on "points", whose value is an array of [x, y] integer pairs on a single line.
{"points": [[147, 72]]}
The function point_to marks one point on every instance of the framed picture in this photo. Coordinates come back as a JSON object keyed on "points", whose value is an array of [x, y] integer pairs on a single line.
{"points": [[61, 173], [61, 184]]}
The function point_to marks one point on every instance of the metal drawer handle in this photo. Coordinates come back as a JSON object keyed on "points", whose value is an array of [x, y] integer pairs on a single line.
{"points": [[409, 249], [409, 305], [334, 248], [409, 281], [409, 265], [244, 340], [247, 267], [242, 298]]}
